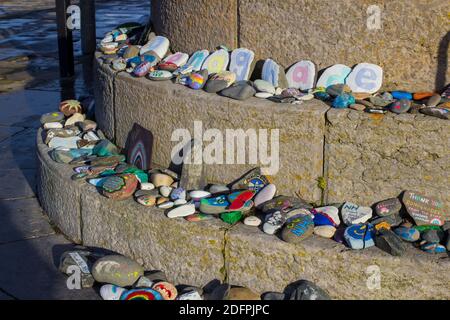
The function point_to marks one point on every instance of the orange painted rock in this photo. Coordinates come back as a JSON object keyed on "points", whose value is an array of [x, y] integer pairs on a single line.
{"points": [[70, 107], [120, 187], [422, 95]]}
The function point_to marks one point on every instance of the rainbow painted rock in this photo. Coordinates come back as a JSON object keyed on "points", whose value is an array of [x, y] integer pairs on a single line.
{"points": [[141, 294], [70, 107], [119, 187], [197, 80], [142, 69]]}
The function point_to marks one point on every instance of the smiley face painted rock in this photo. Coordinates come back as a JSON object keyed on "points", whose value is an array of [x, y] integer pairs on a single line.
{"points": [[360, 236], [119, 187], [166, 289]]}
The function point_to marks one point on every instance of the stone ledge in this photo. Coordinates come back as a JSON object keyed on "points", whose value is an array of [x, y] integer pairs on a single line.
{"points": [[195, 253]]}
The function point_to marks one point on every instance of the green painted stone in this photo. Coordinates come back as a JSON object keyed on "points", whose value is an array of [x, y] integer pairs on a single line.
{"points": [[426, 228], [105, 148], [140, 174], [231, 217]]}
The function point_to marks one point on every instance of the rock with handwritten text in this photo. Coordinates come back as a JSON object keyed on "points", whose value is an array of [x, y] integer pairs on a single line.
{"points": [[424, 210], [355, 214]]}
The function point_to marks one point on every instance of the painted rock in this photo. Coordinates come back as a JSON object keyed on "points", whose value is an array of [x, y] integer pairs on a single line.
{"points": [[433, 248], [424, 210], [325, 231], [150, 57], [178, 193], [388, 207], [239, 199], [147, 200], [389, 242], [143, 282], [231, 217], [400, 106], [119, 187], [306, 290], [343, 101], [217, 61], [196, 217], [273, 222], [160, 75], [399, 95], [53, 125], [179, 59], [264, 86], [52, 117], [160, 179], [142, 69], [302, 75], [297, 229], [284, 203], [76, 117], [332, 75], [197, 80], [393, 220], [241, 293], [166, 205], [159, 44], [184, 70], [433, 236], [141, 294], [322, 219], [407, 234], [166, 289], [119, 64], [215, 205], [436, 112], [179, 202], [81, 260], [240, 90], [197, 59], [332, 212], [69, 107], [87, 125], [380, 101], [111, 292], [263, 95], [182, 211], [64, 143], [105, 148], [365, 77], [360, 236], [354, 214], [252, 180], [422, 95], [117, 270], [265, 194], [272, 72], [198, 194], [219, 81], [241, 63], [165, 191], [252, 221]]}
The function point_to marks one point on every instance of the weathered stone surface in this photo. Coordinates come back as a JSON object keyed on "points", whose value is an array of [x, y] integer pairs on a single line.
{"points": [[252, 256], [296, 29], [58, 194], [104, 98], [373, 157], [187, 252], [301, 128], [196, 24]]}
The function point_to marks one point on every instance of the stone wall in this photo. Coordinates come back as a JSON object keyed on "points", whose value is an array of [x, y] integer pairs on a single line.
{"points": [[363, 157], [196, 253], [412, 45]]}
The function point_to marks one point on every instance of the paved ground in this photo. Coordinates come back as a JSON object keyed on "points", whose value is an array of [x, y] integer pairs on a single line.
{"points": [[29, 247]]}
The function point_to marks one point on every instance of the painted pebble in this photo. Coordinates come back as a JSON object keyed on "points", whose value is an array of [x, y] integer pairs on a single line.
{"points": [[354, 214], [297, 229], [252, 221], [111, 292], [182, 211], [116, 269], [360, 236]]}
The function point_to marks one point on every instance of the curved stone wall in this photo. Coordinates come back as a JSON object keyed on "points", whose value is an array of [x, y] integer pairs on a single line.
{"points": [[412, 45], [196, 253], [364, 158]]}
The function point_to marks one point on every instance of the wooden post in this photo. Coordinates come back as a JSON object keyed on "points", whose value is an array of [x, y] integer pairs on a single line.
{"points": [[65, 42]]}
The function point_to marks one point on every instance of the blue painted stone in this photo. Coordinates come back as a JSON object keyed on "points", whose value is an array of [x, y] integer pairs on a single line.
{"points": [[433, 248], [321, 219], [407, 234], [323, 96], [178, 193], [132, 62], [98, 182], [402, 95], [360, 236], [343, 101]]}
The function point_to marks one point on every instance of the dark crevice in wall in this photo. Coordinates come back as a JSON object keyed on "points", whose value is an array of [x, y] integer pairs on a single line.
{"points": [[325, 159], [238, 24]]}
